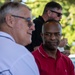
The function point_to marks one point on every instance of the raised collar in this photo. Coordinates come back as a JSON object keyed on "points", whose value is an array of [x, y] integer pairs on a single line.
{"points": [[44, 54]]}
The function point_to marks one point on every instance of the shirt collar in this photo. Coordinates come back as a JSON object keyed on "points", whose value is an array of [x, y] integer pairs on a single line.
{"points": [[6, 35], [44, 54], [41, 19]]}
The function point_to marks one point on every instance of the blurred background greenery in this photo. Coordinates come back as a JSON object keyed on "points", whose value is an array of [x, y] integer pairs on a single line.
{"points": [[68, 18]]}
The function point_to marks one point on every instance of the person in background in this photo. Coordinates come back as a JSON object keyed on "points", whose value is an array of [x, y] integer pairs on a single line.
{"points": [[49, 59], [16, 29], [52, 10], [66, 50]]}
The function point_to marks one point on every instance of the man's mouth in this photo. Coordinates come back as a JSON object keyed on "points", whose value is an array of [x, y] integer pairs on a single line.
{"points": [[29, 33], [53, 43]]}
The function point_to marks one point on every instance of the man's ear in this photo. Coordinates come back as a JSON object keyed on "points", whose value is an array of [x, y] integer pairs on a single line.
{"points": [[41, 34], [48, 12], [9, 20]]}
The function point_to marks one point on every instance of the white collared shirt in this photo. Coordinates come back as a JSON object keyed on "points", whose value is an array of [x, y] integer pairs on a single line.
{"points": [[15, 59]]}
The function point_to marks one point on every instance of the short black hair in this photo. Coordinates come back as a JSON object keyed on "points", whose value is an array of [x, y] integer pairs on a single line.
{"points": [[52, 5]]}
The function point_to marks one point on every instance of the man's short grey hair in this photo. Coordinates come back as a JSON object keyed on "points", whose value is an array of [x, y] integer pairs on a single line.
{"points": [[10, 8]]}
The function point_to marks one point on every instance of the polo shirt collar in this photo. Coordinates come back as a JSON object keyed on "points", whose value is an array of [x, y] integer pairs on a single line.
{"points": [[44, 54], [6, 35]]}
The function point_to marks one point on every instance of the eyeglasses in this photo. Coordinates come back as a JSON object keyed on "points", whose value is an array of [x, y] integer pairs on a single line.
{"points": [[58, 14], [27, 19]]}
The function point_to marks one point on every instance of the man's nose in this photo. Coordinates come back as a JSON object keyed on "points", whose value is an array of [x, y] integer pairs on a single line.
{"points": [[33, 27], [53, 36]]}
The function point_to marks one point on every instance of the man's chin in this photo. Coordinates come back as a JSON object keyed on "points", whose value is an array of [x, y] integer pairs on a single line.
{"points": [[29, 42], [51, 48]]}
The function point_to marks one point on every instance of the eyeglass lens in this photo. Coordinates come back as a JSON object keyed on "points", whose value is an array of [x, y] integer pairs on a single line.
{"points": [[30, 23], [58, 14]]}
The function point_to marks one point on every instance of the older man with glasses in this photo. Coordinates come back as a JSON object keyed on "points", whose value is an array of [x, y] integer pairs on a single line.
{"points": [[16, 28]]}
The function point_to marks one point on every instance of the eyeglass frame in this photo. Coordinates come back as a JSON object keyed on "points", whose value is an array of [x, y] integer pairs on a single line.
{"points": [[58, 14], [27, 19]]}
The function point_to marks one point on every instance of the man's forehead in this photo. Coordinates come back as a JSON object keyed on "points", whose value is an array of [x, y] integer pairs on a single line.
{"points": [[57, 10], [52, 24], [52, 27]]}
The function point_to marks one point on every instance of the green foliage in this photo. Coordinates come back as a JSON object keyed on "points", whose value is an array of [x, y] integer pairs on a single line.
{"points": [[0, 3], [37, 6]]}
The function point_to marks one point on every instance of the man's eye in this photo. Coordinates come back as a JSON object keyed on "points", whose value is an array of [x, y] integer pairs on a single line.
{"points": [[57, 34], [48, 34]]}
